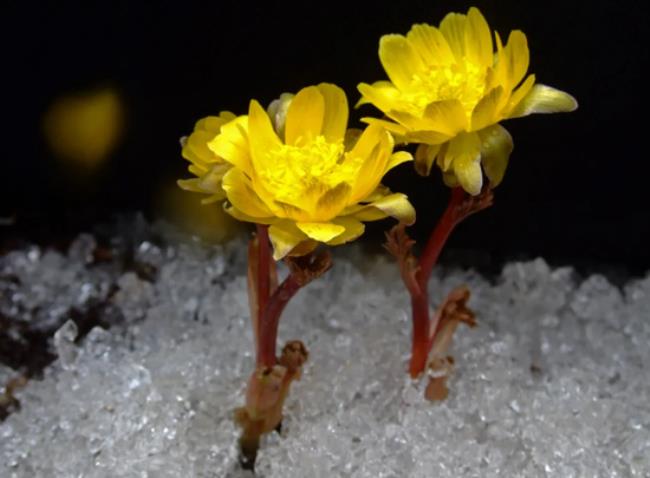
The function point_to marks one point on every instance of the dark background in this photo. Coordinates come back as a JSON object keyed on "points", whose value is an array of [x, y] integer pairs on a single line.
{"points": [[575, 191]]}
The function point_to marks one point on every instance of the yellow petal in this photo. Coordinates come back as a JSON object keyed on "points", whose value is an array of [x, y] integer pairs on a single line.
{"points": [[212, 199], [398, 158], [446, 116], [374, 147], [191, 184], [498, 75], [209, 182], [367, 141], [196, 162], [398, 206], [465, 153], [321, 231], [335, 120], [395, 205], [368, 214], [486, 112], [285, 236], [241, 194], [496, 146], [332, 202], [450, 179], [262, 137], [196, 148], [518, 95], [214, 123], [427, 137], [453, 28], [468, 172], [424, 157], [232, 144], [442, 115], [544, 99], [382, 94], [212, 180], [303, 248], [353, 229], [290, 211], [197, 170], [352, 135], [430, 44], [442, 158], [518, 56], [512, 61], [241, 216], [377, 194], [398, 131], [305, 115], [478, 39], [399, 59]]}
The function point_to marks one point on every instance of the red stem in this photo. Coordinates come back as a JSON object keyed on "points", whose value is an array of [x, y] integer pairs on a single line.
{"points": [[263, 270], [270, 319], [421, 341], [439, 236]]}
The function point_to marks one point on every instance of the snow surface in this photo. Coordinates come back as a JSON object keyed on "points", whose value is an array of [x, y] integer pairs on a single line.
{"points": [[554, 381]]}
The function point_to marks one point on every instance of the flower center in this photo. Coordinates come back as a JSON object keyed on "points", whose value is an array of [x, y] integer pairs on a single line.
{"points": [[303, 173], [464, 81]]}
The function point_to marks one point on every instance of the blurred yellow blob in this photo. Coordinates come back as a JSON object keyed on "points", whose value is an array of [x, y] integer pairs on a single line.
{"points": [[84, 128], [209, 222]]}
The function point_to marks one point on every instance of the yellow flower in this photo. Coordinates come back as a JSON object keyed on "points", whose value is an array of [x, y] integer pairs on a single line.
{"points": [[84, 128], [207, 166], [448, 91], [312, 183]]}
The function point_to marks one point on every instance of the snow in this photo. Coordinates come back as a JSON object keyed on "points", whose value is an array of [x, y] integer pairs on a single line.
{"points": [[554, 381]]}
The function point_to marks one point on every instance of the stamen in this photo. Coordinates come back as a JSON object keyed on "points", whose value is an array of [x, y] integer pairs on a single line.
{"points": [[463, 81]]}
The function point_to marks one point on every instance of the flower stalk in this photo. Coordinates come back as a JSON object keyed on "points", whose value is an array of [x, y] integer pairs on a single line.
{"points": [[417, 272], [262, 282], [269, 384], [449, 220], [264, 266], [270, 320]]}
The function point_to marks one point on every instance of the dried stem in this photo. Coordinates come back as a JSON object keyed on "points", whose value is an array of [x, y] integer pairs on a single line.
{"points": [[267, 390], [450, 314], [400, 245]]}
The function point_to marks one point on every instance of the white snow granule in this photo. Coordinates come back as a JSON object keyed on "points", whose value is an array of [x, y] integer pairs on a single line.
{"points": [[554, 381]]}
